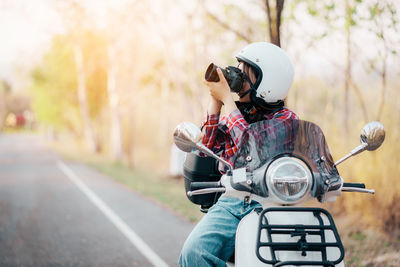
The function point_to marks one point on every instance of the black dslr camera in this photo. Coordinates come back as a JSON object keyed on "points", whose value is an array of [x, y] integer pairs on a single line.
{"points": [[234, 76]]}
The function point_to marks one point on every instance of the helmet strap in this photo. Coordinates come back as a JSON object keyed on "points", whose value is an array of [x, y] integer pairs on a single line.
{"points": [[245, 93], [260, 103], [251, 87]]}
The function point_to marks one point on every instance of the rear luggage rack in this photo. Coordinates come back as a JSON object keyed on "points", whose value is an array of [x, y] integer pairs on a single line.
{"points": [[301, 230]]}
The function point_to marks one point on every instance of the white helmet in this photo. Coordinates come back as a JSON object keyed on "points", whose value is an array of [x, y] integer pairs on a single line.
{"points": [[274, 71]]}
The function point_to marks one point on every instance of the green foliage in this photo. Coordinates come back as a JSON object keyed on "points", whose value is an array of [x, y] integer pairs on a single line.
{"points": [[358, 236], [374, 11], [354, 261], [384, 20], [54, 86], [312, 9], [327, 11], [94, 47], [4, 87]]}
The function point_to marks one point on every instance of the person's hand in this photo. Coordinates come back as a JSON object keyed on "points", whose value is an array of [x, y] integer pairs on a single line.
{"points": [[220, 90], [214, 106]]}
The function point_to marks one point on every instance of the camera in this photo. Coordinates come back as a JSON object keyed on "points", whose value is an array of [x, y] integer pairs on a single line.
{"points": [[234, 76]]}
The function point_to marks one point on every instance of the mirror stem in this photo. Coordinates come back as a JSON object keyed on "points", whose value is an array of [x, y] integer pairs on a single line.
{"points": [[208, 152], [354, 152]]}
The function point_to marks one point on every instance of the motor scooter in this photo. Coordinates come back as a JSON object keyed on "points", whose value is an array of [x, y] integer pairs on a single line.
{"points": [[281, 165]]}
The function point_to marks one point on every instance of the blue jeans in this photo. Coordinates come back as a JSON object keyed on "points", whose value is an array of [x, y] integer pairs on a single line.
{"points": [[212, 241]]}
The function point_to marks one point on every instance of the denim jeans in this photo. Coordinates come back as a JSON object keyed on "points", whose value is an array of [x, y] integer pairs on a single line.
{"points": [[212, 241]]}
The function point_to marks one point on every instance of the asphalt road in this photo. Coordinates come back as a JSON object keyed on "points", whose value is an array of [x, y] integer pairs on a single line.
{"points": [[59, 213]]}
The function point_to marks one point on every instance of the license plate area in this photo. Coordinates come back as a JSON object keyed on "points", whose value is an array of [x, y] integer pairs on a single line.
{"points": [[298, 236]]}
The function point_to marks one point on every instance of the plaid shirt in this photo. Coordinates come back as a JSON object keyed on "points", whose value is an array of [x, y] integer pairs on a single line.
{"points": [[223, 135]]}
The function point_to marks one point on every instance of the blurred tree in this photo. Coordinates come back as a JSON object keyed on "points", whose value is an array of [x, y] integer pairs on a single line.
{"points": [[332, 12], [350, 22], [5, 90], [116, 147], [127, 60], [273, 11], [82, 98], [274, 15], [114, 32], [385, 26], [94, 48], [370, 32], [54, 87], [77, 22], [380, 18]]}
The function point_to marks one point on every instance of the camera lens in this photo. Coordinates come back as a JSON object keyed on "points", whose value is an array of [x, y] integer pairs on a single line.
{"points": [[211, 73], [234, 76]]}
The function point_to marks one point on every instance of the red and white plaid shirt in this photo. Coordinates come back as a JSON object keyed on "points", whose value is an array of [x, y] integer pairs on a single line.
{"points": [[223, 135]]}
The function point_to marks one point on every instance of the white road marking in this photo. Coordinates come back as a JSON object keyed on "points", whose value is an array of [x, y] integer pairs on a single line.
{"points": [[113, 217]]}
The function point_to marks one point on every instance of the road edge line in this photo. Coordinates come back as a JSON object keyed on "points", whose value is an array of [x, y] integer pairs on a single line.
{"points": [[138, 242]]}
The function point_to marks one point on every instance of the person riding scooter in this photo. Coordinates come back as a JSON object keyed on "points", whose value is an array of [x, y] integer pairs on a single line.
{"points": [[268, 75]]}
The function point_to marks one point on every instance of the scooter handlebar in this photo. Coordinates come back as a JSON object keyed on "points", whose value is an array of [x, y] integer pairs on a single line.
{"points": [[200, 188], [357, 185], [358, 190], [206, 191], [204, 185]]}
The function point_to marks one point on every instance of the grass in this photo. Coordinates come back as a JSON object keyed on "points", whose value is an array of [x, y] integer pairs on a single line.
{"points": [[373, 250], [364, 246]]}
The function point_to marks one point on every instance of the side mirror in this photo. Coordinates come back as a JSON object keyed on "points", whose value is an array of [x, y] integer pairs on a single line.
{"points": [[372, 136], [187, 137]]}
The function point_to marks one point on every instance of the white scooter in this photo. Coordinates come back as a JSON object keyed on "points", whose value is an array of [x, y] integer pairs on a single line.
{"points": [[281, 165]]}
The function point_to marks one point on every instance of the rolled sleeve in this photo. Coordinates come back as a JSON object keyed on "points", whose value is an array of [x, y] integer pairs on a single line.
{"points": [[210, 128], [236, 125]]}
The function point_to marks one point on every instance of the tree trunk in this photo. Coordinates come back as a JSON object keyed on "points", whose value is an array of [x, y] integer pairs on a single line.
{"points": [[82, 98], [165, 111], [5, 90], [132, 145], [347, 70], [3, 109], [116, 147], [132, 121], [383, 84], [274, 20]]}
